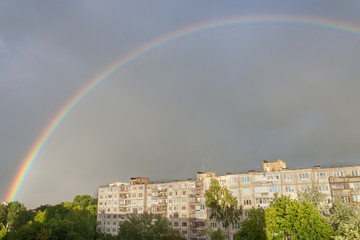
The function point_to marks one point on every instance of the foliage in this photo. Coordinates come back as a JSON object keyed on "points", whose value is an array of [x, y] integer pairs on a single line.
{"points": [[3, 213], [286, 218], [68, 221], [217, 235], [17, 216], [222, 204], [253, 228], [315, 197], [147, 226], [3, 231], [84, 201], [345, 220], [105, 236]]}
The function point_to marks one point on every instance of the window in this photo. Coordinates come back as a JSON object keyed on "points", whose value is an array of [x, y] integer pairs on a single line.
{"points": [[354, 173], [262, 200], [213, 225], [340, 186], [176, 224], [233, 191], [289, 189], [183, 208], [222, 181], [245, 179], [338, 174], [236, 225], [275, 189], [303, 175], [346, 199], [184, 193], [170, 208], [184, 232], [247, 202], [246, 190], [273, 177], [288, 177], [356, 198], [304, 188], [134, 195], [324, 188], [184, 224], [262, 189], [321, 175], [232, 180], [183, 185], [114, 223], [140, 195]]}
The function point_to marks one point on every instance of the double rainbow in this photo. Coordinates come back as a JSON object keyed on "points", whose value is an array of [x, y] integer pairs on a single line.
{"points": [[50, 129]]}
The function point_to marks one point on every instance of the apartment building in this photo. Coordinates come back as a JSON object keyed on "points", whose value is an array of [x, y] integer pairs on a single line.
{"points": [[183, 202]]}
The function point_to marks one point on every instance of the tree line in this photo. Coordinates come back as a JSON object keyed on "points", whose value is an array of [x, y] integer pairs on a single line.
{"points": [[304, 218], [285, 218]]}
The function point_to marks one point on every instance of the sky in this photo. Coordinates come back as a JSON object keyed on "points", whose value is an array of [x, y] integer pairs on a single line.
{"points": [[221, 100]]}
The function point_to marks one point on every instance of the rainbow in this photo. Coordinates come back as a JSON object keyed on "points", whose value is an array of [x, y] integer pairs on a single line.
{"points": [[36, 149]]}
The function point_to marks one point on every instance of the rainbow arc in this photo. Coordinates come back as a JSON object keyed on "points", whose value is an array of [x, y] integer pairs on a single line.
{"points": [[32, 155]]}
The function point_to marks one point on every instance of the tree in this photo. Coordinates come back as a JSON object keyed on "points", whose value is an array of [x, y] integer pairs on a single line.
{"points": [[147, 226], [84, 201], [286, 218], [315, 197], [253, 228], [222, 204], [216, 234], [3, 213], [16, 215], [345, 220], [3, 231]]}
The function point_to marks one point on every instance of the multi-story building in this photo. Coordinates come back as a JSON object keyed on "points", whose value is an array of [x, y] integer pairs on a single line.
{"points": [[183, 202]]}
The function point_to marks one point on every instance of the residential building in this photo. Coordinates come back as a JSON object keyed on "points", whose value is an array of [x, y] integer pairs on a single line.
{"points": [[183, 202]]}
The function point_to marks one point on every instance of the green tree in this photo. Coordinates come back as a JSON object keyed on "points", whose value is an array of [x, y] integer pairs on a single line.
{"points": [[17, 216], [315, 197], [83, 222], [84, 201], [3, 213], [253, 228], [223, 204], [105, 236], [3, 231], [217, 234], [345, 220], [286, 218], [147, 226]]}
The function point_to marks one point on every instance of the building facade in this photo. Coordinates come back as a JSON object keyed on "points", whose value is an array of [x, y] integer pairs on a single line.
{"points": [[183, 202]]}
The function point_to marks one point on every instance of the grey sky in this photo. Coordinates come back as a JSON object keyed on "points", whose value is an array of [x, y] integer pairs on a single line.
{"points": [[229, 97]]}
